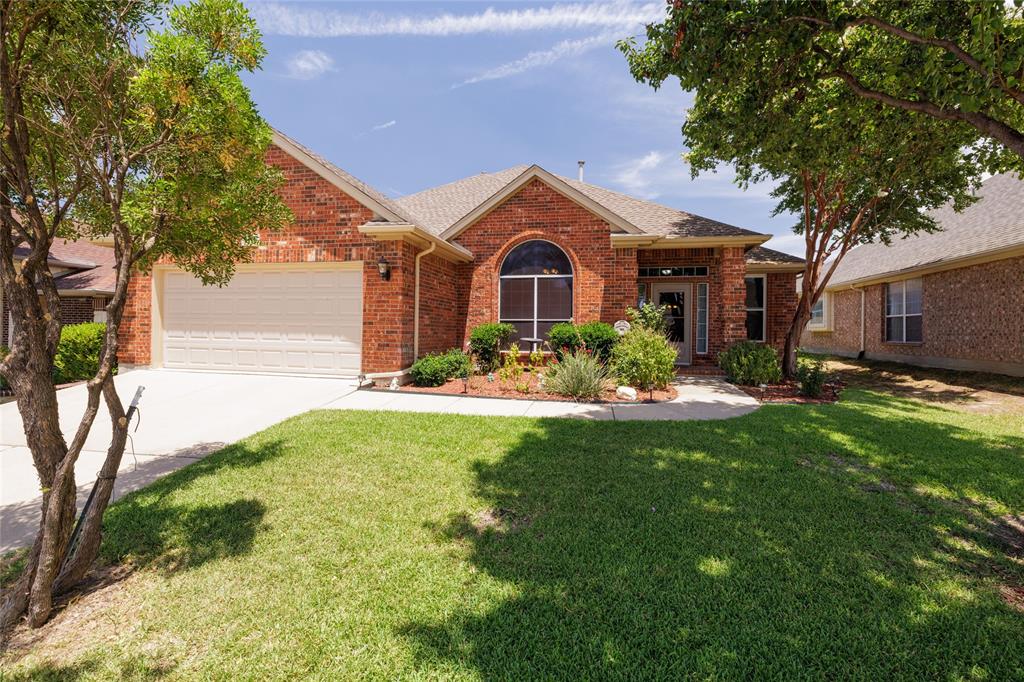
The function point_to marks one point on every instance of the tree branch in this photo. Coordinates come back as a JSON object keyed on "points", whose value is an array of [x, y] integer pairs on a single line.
{"points": [[984, 123]]}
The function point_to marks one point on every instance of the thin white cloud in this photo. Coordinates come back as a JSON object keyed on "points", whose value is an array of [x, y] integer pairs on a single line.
{"points": [[384, 126], [540, 58], [638, 176], [659, 173], [316, 22], [309, 64]]}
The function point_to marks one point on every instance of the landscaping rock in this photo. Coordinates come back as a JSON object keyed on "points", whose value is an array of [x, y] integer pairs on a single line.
{"points": [[625, 393]]}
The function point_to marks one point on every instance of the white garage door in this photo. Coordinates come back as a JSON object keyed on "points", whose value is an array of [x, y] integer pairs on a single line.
{"points": [[297, 320]]}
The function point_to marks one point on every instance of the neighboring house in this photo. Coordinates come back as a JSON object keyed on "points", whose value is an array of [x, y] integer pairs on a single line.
{"points": [[953, 298], [84, 275], [361, 284]]}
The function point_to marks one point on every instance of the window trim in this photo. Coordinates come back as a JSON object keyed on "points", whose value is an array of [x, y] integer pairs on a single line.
{"points": [[904, 315], [697, 347], [571, 276], [826, 315], [763, 309]]}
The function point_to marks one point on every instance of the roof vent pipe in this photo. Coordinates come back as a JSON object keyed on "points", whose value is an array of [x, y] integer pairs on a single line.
{"points": [[580, 164]]}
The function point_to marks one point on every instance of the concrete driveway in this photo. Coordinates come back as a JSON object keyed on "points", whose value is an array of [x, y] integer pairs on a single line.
{"points": [[184, 416]]}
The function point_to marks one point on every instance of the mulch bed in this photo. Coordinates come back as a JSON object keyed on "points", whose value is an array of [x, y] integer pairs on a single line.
{"points": [[479, 386], [789, 393]]}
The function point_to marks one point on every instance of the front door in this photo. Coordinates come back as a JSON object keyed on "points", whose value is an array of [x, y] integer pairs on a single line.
{"points": [[676, 299]]}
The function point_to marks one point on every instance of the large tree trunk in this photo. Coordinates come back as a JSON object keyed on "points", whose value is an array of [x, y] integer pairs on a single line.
{"points": [[32, 383], [87, 548]]}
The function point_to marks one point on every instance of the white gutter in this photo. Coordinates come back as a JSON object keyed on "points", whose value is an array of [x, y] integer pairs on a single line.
{"points": [[416, 303]]}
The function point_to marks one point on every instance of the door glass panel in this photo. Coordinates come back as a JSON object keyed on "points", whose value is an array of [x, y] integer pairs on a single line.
{"points": [[675, 314]]}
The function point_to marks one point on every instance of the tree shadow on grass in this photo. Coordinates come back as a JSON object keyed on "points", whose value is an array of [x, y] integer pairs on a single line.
{"points": [[154, 527], [754, 547], [95, 665]]}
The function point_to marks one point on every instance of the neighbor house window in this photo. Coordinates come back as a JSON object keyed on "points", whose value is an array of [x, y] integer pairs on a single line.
{"points": [[755, 307], [702, 318], [535, 289], [819, 313], [903, 311]]}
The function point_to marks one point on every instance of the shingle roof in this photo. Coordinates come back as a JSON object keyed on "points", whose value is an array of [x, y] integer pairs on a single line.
{"points": [[441, 207], [653, 218], [92, 265], [994, 222], [438, 208], [761, 255]]}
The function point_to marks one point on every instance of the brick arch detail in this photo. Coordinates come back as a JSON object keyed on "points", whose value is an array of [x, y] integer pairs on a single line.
{"points": [[604, 277]]}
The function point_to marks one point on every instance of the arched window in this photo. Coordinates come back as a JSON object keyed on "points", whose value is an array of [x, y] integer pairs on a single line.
{"points": [[535, 289]]}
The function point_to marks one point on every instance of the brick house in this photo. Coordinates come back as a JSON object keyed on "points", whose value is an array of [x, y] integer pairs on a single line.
{"points": [[361, 284], [953, 298], [84, 275]]}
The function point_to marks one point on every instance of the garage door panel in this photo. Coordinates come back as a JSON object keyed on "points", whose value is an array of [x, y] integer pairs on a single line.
{"points": [[271, 319]]}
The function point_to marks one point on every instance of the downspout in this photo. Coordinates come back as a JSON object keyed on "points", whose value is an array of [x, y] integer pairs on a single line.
{"points": [[416, 303]]}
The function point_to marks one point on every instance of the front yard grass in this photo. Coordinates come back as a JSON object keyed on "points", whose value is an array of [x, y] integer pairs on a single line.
{"points": [[854, 540]]}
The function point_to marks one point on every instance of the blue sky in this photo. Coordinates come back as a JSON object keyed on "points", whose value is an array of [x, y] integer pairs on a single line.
{"points": [[408, 95]]}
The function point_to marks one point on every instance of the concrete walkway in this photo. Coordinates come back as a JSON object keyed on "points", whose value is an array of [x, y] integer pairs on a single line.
{"points": [[699, 398], [184, 417]]}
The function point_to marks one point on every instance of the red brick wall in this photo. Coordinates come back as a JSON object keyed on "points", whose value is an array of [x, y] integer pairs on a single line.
{"points": [[73, 310], [604, 278], [441, 312], [323, 230], [781, 299], [971, 320]]}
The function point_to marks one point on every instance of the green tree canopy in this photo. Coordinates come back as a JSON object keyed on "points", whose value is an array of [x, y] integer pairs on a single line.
{"points": [[127, 119], [854, 169]]}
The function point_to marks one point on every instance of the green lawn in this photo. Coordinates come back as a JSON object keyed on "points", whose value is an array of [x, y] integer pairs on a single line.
{"points": [[846, 540]]}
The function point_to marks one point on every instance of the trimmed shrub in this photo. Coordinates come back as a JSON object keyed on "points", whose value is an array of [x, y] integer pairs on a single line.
{"points": [[810, 372], [648, 316], [644, 359], [579, 376], [78, 353], [750, 363], [437, 368], [597, 337], [487, 340]]}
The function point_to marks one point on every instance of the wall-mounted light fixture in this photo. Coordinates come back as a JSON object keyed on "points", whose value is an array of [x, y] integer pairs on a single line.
{"points": [[384, 268]]}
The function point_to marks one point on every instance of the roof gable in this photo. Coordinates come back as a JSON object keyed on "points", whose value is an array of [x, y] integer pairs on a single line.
{"points": [[366, 195], [439, 208], [554, 182]]}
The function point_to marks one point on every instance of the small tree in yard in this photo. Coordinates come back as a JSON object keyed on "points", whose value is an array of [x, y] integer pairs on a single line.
{"points": [[129, 120], [855, 171]]}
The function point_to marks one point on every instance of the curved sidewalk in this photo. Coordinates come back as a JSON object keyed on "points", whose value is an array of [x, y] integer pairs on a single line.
{"points": [[699, 398]]}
